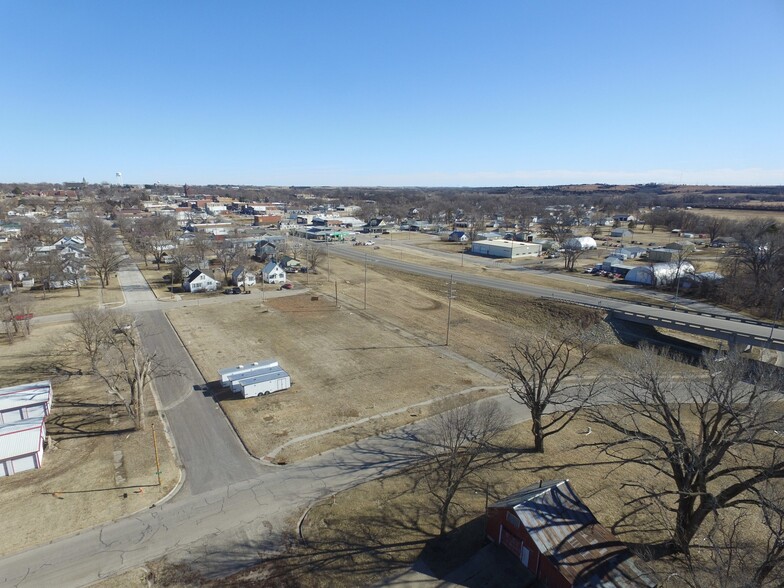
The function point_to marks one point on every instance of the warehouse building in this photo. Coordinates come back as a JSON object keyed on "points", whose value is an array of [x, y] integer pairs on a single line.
{"points": [[505, 248], [22, 445]]}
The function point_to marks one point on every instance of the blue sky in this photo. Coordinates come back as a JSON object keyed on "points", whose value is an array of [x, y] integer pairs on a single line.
{"points": [[410, 92]]}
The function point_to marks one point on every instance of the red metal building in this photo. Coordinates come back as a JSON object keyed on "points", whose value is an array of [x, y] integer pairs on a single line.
{"points": [[559, 540]]}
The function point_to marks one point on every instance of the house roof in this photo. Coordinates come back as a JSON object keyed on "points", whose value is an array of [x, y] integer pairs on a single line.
{"points": [[270, 267], [566, 532], [196, 273], [287, 259], [21, 437]]}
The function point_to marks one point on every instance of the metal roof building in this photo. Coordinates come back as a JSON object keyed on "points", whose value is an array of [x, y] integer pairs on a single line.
{"points": [[560, 541], [505, 248], [21, 445], [25, 401], [659, 274]]}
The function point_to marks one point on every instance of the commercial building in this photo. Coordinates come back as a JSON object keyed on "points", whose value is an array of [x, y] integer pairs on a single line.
{"points": [[505, 248]]}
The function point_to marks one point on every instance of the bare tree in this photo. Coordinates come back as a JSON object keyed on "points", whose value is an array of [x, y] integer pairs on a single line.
{"points": [[314, 256], [454, 447], [181, 257], [755, 266], [46, 268], [572, 251], [715, 227], [12, 261], [559, 229], [117, 357], [154, 236], [227, 256], [201, 245], [16, 314], [544, 374], [104, 259], [712, 439]]}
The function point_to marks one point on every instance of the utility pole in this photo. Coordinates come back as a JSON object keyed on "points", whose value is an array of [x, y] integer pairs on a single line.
{"points": [[327, 241], [364, 305], [450, 295], [336, 293], [157, 460]]}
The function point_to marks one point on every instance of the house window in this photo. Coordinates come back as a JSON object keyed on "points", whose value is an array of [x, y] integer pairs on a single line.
{"points": [[512, 520]]}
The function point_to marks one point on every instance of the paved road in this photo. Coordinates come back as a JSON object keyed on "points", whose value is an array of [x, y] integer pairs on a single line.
{"points": [[223, 529], [763, 333], [207, 445]]}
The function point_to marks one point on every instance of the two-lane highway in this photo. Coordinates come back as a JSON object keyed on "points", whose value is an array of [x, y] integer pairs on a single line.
{"points": [[746, 332]]}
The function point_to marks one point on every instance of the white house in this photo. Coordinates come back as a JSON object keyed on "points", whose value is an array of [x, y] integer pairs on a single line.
{"points": [[18, 403], [198, 281], [273, 273], [22, 445], [240, 277]]}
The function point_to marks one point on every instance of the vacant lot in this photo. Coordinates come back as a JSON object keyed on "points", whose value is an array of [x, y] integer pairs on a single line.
{"points": [[94, 470], [348, 364], [343, 366]]}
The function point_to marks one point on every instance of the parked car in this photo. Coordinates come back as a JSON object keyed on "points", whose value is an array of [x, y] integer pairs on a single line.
{"points": [[287, 286], [234, 290]]}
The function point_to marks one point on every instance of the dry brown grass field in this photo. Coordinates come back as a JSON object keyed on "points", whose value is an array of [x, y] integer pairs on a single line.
{"points": [[79, 485], [740, 214], [380, 528], [64, 300], [348, 363]]}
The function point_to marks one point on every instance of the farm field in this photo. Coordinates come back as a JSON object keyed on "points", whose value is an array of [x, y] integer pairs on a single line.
{"points": [[94, 470], [741, 214]]}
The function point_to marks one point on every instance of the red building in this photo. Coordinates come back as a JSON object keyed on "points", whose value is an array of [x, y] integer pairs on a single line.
{"points": [[559, 540]]}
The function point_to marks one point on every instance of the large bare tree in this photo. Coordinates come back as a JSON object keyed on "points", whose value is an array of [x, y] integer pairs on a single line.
{"points": [[227, 256], [714, 440], [111, 343], [314, 255], [104, 258], [455, 446], [545, 374]]}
